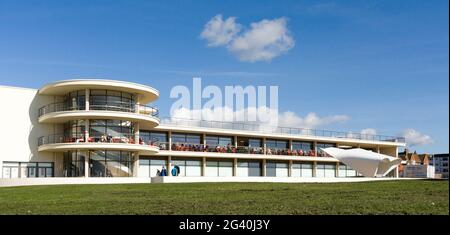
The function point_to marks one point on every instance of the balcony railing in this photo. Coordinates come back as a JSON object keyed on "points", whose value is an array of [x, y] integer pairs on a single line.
{"points": [[196, 147], [277, 130], [106, 106], [126, 138]]}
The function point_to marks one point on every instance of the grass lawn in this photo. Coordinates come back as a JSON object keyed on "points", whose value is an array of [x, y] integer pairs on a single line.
{"points": [[383, 197]]}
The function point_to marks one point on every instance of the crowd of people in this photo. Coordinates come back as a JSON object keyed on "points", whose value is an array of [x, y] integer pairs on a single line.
{"points": [[244, 149]]}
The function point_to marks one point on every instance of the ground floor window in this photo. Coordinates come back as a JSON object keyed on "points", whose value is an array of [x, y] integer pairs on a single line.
{"points": [[302, 170], [248, 169], [27, 169], [73, 163], [151, 167], [277, 169], [111, 163], [346, 171], [219, 168], [325, 170], [186, 168]]}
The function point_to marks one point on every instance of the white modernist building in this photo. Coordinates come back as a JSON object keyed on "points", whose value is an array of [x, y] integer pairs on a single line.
{"points": [[103, 128]]}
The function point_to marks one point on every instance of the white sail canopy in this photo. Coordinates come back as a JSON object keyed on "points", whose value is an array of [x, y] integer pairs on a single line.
{"points": [[368, 163]]}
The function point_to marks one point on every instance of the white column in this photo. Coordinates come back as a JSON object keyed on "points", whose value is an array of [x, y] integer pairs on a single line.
{"points": [[86, 164], [87, 95], [235, 167], [263, 167], [264, 146], [337, 169], [138, 103], [290, 168], [315, 150], [314, 169], [235, 141], [169, 165], [203, 166], [86, 130], [169, 135], [136, 164], [136, 132]]}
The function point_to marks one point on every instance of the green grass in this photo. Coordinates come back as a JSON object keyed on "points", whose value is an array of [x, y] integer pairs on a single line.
{"points": [[387, 197]]}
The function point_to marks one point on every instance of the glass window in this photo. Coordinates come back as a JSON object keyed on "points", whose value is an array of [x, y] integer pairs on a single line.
{"points": [[219, 140], [254, 169], [149, 137], [186, 138], [305, 146], [323, 145], [271, 169], [277, 144], [111, 164]]}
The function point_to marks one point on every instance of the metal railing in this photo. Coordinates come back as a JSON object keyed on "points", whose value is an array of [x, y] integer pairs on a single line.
{"points": [[61, 138], [277, 130], [106, 106]]}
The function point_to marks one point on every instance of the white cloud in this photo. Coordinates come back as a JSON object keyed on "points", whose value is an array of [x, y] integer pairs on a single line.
{"points": [[311, 120], [219, 32], [274, 119], [263, 41], [414, 138]]}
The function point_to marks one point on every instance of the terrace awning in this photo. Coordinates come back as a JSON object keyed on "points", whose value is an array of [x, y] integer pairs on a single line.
{"points": [[368, 163]]}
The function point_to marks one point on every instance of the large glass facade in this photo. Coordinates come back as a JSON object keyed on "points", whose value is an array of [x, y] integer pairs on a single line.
{"points": [[75, 129], [305, 147], [152, 137], [219, 168], [149, 167], [302, 170], [74, 163], [111, 100], [187, 167], [111, 131], [223, 141], [277, 169], [111, 163], [75, 100], [247, 168], [325, 170], [180, 138]]}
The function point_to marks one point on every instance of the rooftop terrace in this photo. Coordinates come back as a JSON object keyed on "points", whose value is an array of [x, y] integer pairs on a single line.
{"points": [[243, 126]]}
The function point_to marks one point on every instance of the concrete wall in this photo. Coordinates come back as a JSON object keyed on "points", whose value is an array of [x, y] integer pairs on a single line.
{"points": [[20, 127]]}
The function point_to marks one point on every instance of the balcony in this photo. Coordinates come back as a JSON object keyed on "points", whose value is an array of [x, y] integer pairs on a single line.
{"points": [[120, 141], [61, 112], [195, 147], [276, 130]]}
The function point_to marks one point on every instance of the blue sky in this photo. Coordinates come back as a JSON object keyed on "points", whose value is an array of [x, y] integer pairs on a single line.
{"points": [[383, 64]]}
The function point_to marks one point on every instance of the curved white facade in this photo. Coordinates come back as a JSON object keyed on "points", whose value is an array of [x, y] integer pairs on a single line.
{"points": [[368, 163], [147, 94]]}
